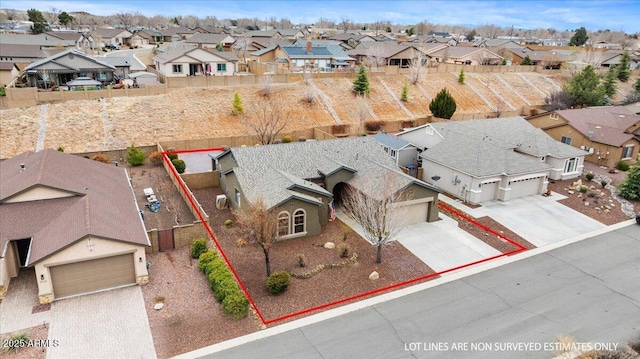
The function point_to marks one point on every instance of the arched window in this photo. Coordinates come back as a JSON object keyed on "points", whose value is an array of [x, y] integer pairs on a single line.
{"points": [[299, 221], [284, 219]]}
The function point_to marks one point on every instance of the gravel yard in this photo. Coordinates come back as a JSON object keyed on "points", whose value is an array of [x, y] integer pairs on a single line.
{"points": [[37, 350]]}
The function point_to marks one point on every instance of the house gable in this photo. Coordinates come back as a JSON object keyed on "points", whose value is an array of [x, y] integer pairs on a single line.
{"points": [[38, 193]]}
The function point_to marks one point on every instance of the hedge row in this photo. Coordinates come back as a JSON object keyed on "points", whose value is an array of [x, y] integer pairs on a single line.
{"points": [[225, 289]]}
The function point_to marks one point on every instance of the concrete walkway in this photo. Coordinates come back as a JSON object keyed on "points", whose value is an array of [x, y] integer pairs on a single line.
{"points": [[441, 245], [16, 307], [198, 162]]}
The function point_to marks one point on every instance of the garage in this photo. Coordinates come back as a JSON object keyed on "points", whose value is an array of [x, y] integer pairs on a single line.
{"points": [[526, 187], [489, 191], [412, 212], [92, 275]]}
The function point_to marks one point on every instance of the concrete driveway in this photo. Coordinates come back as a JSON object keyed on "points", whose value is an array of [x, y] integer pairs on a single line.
{"points": [[540, 220]]}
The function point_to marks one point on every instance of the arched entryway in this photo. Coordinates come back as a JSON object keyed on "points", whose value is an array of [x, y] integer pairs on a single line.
{"points": [[338, 193]]}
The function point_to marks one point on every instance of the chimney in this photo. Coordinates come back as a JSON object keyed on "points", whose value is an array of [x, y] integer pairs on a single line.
{"points": [[309, 47]]}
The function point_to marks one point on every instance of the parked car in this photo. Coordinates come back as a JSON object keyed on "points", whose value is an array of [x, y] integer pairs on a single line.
{"points": [[112, 47], [638, 218]]}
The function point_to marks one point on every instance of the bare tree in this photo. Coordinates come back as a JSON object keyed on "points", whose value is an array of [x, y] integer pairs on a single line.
{"points": [[489, 31], [52, 15], [266, 82], [266, 120], [376, 54], [158, 21], [346, 24], [499, 109], [262, 226], [126, 19], [374, 205], [417, 63]]}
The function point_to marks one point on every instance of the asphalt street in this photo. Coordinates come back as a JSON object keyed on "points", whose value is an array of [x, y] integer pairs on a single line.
{"points": [[589, 290]]}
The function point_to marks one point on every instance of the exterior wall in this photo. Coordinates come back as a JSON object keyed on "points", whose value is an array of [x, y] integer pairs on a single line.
{"points": [[418, 192], [39, 193], [557, 172], [545, 121], [323, 211], [201, 180], [312, 220], [79, 252], [421, 138], [229, 183], [8, 268], [340, 176], [407, 156]]}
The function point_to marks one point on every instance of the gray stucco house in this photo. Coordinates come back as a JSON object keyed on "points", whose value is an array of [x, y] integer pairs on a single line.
{"points": [[301, 179]]}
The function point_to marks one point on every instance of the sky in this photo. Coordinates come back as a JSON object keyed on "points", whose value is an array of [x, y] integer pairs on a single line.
{"points": [[615, 15]]}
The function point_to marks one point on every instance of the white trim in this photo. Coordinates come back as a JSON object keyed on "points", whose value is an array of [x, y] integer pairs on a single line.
{"points": [[304, 222], [288, 225]]}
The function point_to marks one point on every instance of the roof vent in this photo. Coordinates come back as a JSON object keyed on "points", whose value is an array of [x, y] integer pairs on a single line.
{"points": [[22, 167]]}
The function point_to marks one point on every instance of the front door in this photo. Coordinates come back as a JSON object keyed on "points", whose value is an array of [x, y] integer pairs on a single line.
{"points": [[23, 246]]}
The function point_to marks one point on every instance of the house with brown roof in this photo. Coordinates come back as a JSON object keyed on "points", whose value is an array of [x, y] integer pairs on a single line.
{"points": [[192, 60], [212, 41], [466, 56], [392, 54], [74, 220], [609, 133], [104, 37]]}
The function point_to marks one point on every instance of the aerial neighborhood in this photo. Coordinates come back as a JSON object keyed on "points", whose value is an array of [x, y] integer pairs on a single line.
{"points": [[202, 182]]}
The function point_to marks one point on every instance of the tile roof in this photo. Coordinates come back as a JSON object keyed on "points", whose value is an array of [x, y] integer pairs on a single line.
{"points": [[608, 123], [101, 203], [111, 33], [15, 50], [270, 171], [99, 63], [458, 52], [202, 38]]}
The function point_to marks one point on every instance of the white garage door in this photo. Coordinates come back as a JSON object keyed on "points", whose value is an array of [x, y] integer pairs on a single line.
{"points": [[414, 213], [526, 187], [489, 191], [92, 275]]}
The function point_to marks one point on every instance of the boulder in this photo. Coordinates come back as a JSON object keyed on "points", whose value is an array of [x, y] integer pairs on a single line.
{"points": [[570, 192], [158, 306], [329, 245], [374, 275], [607, 207], [586, 203]]}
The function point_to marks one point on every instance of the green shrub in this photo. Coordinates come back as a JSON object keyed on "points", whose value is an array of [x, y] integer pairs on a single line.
{"points": [[584, 189], [206, 257], [278, 282], [179, 165], [604, 183], [135, 156], [236, 106], [198, 246], [17, 341], [286, 139], [60, 149], [228, 223], [589, 176], [344, 250], [404, 96], [623, 166], [591, 194], [224, 287], [170, 153], [235, 305], [215, 265], [155, 158], [2, 91]]}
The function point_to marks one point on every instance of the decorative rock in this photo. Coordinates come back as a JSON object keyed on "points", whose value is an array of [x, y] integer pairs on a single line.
{"points": [[586, 203], [606, 211], [580, 195], [158, 306], [607, 207], [374, 275], [329, 245], [570, 192]]}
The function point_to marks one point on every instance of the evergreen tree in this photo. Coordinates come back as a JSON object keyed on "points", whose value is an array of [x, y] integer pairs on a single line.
{"points": [[461, 76], [443, 105], [39, 22], [584, 88], [361, 83], [236, 107], [630, 188], [609, 84], [637, 86], [526, 61], [579, 38], [404, 97], [65, 19], [623, 69]]}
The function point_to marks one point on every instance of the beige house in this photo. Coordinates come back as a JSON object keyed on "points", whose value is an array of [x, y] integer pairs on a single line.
{"points": [[74, 220], [8, 72], [192, 60], [466, 56], [609, 134]]}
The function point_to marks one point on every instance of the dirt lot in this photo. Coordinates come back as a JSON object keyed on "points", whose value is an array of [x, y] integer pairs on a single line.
{"points": [[398, 265]]}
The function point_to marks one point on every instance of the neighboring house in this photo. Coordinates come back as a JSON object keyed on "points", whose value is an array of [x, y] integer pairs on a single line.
{"points": [[8, 72], [352, 40], [549, 59], [43, 40], [121, 63], [610, 134], [466, 56], [496, 44], [74, 220], [81, 39], [492, 159], [21, 53], [152, 37], [392, 54], [110, 36], [191, 60], [298, 57], [175, 33], [301, 179], [65, 66], [138, 40], [212, 41], [403, 153], [285, 35], [613, 57]]}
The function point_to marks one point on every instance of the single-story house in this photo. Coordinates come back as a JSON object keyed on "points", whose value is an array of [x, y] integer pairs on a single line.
{"points": [[211, 41], [142, 78], [21, 53], [492, 159], [74, 220], [43, 40], [191, 60], [111, 36], [176, 33], [151, 36], [609, 133], [313, 56], [403, 153], [138, 39], [613, 58], [8, 72], [466, 56], [391, 54], [65, 66], [302, 179], [82, 40], [352, 39]]}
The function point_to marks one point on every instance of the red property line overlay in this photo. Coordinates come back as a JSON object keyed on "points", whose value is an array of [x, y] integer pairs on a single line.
{"points": [[520, 248]]}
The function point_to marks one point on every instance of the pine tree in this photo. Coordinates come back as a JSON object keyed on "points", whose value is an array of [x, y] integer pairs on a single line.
{"points": [[637, 86], [579, 38], [609, 84], [630, 188], [39, 22], [623, 69], [584, 88], [404, 97], [361, 83], [236, 107], [526, 61], [443, 105], [461, 76]]}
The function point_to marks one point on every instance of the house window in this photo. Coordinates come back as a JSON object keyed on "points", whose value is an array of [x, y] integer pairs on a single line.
{"points": [[222, 67], [237, 197], [284, 219], [566, 140], [571, 165], [393, 153], [627, 152], [299, 219], [176, 69]]}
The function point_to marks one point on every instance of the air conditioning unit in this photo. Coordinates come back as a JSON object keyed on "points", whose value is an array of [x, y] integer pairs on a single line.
{"points": [[221, 201]]}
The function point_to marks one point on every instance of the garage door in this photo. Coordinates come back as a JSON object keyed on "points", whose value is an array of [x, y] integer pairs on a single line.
{"points": [[92, 275], [414, 213], [526, 187], [489, 191]]}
